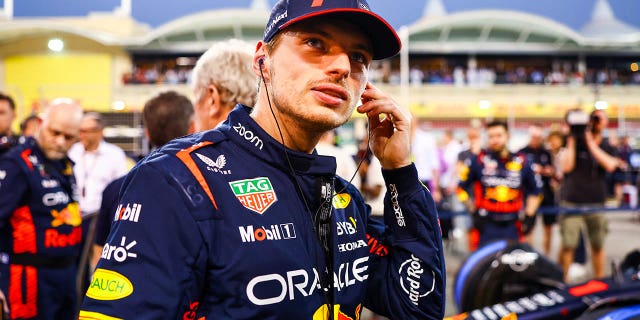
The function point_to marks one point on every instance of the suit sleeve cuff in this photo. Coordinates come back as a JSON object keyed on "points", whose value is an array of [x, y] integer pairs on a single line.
{"points": [[405, 178]]}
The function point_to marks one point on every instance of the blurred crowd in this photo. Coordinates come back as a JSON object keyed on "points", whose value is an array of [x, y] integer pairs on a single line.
{"points": [[443, 159], [460, 76], [163, 72]]}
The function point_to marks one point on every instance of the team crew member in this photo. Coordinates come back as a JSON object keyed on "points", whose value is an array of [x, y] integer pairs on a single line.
{"points": [[40, 220], [499, 178], [7, 115], [247, 222], [541, 162]]}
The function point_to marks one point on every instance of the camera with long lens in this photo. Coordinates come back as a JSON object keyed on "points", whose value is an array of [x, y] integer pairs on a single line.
{"points": [[579, 122]]}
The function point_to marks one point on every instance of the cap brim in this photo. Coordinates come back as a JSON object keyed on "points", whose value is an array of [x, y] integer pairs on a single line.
{"points": [[384, 39]]}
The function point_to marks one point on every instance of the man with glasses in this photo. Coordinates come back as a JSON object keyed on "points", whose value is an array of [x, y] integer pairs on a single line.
{"points": [[40, 230]]}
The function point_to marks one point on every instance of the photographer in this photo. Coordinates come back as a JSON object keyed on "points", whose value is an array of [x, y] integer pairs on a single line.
{"points": [[587, 159]]}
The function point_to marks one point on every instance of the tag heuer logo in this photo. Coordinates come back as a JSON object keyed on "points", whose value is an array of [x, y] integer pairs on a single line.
{"points": [[255, 194]]}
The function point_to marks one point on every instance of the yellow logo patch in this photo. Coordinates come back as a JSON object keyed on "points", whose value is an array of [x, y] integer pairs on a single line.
{"points": [[109, 285], [69, 215], [322, 313], [513, 166], [341, 201], [463, 172]]}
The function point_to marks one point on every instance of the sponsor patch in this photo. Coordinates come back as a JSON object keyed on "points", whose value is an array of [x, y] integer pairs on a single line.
{"points": [[55, 239], [519, 260], [109, 285], [254, 194], [90, 315], [192, 312], [33, 159], [55, 198], [322, 311], [120, 252], [350, 246], [274, 288], [70, 215], [411, 273], [341, 201], [215, 166], [513, 166], [273, 232], [397, 211], [46, 183], [249, 135], [128, 213], [344, 227]]}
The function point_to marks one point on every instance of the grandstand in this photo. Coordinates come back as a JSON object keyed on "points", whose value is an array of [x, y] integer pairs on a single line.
{"points": [[453, 67]]}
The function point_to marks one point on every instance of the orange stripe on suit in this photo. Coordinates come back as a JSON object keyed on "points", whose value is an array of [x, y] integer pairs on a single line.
{"points": [[185, 156]]}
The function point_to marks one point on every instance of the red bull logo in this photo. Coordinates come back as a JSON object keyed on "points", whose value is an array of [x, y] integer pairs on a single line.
{"points": [[323, 312], [502, 193], [55, 239], [69, 215]]}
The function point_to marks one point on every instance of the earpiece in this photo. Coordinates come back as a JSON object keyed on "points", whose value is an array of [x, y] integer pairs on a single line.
{"points": [[261, 62]]}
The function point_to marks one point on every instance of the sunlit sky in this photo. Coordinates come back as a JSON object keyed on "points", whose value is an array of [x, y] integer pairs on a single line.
{"points": [[573, 13]]}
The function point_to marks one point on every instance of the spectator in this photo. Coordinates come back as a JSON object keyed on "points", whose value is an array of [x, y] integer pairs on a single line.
{"points": [[97, 163], [542, 164], [425, 155], [372, 184], [555, 143], [416, 76], [40, 219], [588, 157], [451, 148], [7, 115], [222, 78], [624, 153]]}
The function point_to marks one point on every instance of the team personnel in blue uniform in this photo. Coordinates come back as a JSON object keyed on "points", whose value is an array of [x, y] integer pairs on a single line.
{"points": [[7, 115], [499, 179], [247, 221], [542, 164], [40, 231]]}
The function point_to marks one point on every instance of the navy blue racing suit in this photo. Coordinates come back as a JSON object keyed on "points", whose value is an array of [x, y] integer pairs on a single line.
{"points": [[40, 234], [499, 185], [215, 226]]}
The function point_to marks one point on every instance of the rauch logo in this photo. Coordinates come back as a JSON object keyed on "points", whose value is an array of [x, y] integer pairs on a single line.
{"points": [[254, 194], [109, 285]]}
